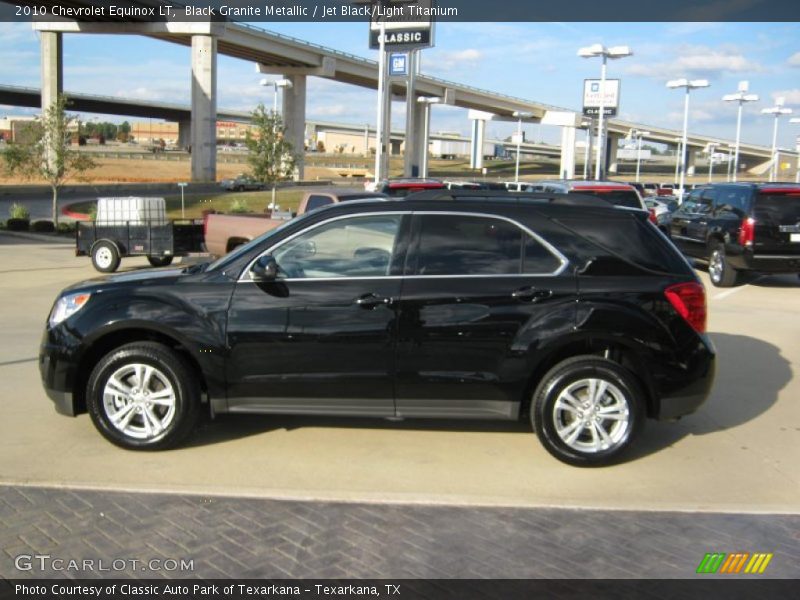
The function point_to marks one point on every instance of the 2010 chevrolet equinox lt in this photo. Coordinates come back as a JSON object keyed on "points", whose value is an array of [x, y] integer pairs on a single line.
{"points": [[447, 304]]}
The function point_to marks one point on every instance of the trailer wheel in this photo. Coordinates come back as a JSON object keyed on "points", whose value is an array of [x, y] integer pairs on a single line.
{"points": [[159, 261], [105, 257]]}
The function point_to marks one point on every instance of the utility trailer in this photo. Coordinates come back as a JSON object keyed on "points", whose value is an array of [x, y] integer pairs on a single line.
{"points": [[135, 227]]}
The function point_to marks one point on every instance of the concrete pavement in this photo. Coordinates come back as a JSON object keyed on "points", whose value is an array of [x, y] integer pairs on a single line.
{"points": [[739, 453]]}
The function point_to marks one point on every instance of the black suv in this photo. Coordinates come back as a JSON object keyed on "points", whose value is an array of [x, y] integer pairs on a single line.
{"points": [[446, 304], [740, 228]]}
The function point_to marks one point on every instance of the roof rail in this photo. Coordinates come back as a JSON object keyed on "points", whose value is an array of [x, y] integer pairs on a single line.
{"points": [[575, 199]]}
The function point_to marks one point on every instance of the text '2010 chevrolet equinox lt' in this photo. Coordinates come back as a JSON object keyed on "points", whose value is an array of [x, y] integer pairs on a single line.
{"points": [[446, 304]]}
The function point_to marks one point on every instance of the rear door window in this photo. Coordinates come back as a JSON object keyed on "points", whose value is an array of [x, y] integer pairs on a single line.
{"points": [[732, 202], [479, 245]]}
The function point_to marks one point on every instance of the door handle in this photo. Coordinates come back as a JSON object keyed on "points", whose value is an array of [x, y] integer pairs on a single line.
{"points": [[530, 294], [370, 301]]}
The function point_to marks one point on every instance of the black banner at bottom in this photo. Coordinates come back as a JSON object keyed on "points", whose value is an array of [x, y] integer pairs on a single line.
{"points": [[405, 589]]}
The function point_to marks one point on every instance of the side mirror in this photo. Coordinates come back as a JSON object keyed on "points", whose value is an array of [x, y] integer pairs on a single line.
{"points": [[264, 269]]}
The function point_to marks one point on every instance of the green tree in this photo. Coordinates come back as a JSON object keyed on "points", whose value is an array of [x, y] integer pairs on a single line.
{"points": [[271, 155], [43, 151]]}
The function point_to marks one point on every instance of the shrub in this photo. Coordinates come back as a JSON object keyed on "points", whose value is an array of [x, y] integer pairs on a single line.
{"points": [[43, 227], [239, 206], [2, 225], [19, 211], [93, 213], [18, 224], [66, 227]]}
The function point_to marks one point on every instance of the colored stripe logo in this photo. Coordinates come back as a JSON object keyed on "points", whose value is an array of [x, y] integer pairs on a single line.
{"points": [[735, 563]]}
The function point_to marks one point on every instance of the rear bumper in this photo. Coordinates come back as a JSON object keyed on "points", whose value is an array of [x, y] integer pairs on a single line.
{"points": [[694, 386], [766, 263]]}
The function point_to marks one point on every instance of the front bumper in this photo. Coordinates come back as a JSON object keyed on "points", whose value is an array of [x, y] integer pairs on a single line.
{"points": [[57, 371]]}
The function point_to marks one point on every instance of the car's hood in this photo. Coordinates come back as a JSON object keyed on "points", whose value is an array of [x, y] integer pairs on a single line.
{"points": [[141, 277]]}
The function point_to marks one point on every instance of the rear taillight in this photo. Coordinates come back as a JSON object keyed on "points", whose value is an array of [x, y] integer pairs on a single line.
{"points": [[652, 218], [689, 299], [747, 232]]}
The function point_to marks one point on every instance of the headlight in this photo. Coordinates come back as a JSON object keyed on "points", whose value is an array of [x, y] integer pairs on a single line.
{"points": [[67, 306]]}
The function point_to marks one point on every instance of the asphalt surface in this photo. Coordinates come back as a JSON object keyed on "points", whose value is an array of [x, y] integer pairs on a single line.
{"points": [[725, 479]]}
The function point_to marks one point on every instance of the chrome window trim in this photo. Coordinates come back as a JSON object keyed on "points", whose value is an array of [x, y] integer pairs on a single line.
{"points": [[564, 262]]}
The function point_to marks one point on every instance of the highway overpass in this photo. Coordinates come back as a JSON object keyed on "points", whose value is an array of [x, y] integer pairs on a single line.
{"points": [[297, 59]]}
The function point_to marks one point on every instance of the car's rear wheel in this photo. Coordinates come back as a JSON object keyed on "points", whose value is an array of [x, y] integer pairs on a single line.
{"points": [[720, 272], [159, 261], [588, 410], [143, 396]]}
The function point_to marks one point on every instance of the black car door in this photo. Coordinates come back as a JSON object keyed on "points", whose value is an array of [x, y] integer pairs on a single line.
{"points": [[321, 337], [683, 223], [480, 291]]}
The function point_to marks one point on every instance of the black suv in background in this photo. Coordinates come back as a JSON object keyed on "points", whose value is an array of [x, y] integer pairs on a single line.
{"points": [[740, 228], [446, 304]]}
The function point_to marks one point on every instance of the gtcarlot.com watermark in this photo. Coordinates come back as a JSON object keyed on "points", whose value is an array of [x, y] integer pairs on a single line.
{"points": [[49, 563]]}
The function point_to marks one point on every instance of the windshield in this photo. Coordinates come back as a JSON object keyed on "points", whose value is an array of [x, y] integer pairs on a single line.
{"points": [[222, 262]]}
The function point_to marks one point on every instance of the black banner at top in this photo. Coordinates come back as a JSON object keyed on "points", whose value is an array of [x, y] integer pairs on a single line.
{"points": [[330, 11]]}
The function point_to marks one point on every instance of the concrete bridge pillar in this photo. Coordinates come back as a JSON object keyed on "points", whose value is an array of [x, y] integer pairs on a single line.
{"points": [[52, 77], [691, 161], [612, 163], [204, 109], [567, 170], [294, 120], [476, 150], [184, 134]]}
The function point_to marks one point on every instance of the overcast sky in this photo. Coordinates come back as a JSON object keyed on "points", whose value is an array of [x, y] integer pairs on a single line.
{"points": [[537, 61]]}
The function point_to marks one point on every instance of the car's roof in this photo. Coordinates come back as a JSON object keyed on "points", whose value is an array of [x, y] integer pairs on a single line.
{"points": [[584, 184]]}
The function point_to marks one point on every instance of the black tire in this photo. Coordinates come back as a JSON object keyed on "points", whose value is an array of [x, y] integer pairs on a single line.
{"points": [[105, 257], [569, 376], [159, 261], [137, 432], [720, 272]]}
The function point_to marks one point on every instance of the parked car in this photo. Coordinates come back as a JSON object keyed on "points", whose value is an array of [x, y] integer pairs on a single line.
{"points": [[740, 229], [650, 189], [399, 188], [224, 233], [241, 183], [448, 304], [619, 194]]}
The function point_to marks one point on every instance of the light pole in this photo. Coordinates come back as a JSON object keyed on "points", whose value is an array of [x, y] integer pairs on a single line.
{"points": [[519, 115], [776, 110], [730, 161], [276, 83], [426, 101], [797, 176], [613, 53], [182, 185], [689, 86], [678, 158], [711, 147], [587, 155], [741, 97], [638, 135]]}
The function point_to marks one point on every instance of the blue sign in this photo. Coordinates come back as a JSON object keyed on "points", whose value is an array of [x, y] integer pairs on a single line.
{"points": [[398, 64]]}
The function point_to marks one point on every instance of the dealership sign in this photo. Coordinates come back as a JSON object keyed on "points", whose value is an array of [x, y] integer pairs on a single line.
{"points": [[406, 25], [592, 97]]}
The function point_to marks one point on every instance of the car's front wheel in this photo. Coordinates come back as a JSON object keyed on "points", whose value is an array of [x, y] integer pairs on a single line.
{"points": [[587, 410], [143, 396]]}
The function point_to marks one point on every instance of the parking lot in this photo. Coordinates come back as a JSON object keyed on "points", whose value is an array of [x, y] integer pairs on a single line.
{"points": [[739, 453]]}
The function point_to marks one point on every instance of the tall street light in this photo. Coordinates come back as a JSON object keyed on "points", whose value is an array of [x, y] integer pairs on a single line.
{"points": [[613, 53], [276, 83], [689, 86], [678, 158], [426, 101], [741, 97], [797, 176], [638, 135], [519, 115], [776, 110], [587, 155]]}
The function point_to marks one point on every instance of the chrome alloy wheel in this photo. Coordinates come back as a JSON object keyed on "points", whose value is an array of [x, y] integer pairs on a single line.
{"points": [[139, 401], [715, 266], [592, 415]]}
